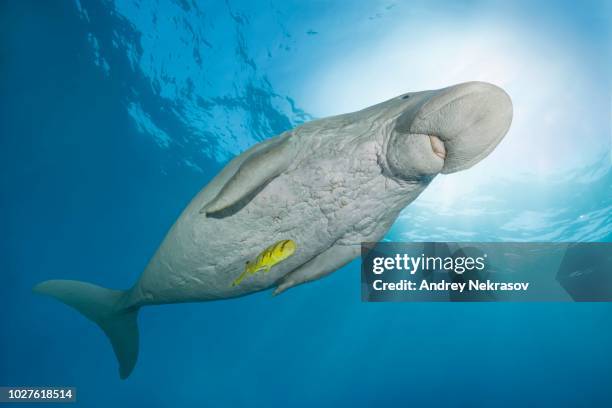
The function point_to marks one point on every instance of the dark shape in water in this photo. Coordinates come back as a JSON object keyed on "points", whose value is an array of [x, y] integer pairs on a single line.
{"points": [[584, 272]]}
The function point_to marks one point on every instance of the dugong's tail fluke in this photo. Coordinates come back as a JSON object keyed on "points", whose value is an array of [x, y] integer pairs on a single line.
{"points": [[103, 306]]}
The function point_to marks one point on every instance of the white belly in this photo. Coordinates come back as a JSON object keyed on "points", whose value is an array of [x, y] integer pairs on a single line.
{"points": [[316, 206]]}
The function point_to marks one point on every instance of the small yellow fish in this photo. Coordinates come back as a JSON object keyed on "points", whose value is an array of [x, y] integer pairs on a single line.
{"points": [[269, 257]]}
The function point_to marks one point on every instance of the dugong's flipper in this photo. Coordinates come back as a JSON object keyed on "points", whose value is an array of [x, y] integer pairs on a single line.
{"points": [[321, 265], [257, 170], [104, 307]]}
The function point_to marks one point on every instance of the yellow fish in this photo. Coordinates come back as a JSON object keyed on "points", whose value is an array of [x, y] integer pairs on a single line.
{"points": [[269, 257]]}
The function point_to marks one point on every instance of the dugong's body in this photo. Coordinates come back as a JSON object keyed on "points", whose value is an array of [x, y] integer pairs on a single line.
{"points": [[332, 196], [327, 185]]}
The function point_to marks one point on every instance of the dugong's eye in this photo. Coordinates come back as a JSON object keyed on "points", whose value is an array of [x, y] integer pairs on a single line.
{"points": [[405, 96]]}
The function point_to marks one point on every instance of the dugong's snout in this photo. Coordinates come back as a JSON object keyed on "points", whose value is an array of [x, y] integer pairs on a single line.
{"points": [[453, 128]]}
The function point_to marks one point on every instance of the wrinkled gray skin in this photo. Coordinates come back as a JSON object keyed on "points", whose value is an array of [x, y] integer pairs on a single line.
{"points": [[328, 185]]}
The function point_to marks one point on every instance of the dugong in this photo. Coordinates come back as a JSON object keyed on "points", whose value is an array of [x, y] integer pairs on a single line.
{"points": [[326, 185]]}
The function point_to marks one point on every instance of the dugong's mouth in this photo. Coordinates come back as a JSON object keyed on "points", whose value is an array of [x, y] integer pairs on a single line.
{"points": [[410, 156], [437, 146]]}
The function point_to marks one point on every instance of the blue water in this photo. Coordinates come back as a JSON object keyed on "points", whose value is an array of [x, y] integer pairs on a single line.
{"points": [[113, 115]]}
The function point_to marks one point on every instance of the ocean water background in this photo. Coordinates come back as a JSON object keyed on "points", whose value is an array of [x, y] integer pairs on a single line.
{"points": [[113, 114]]}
